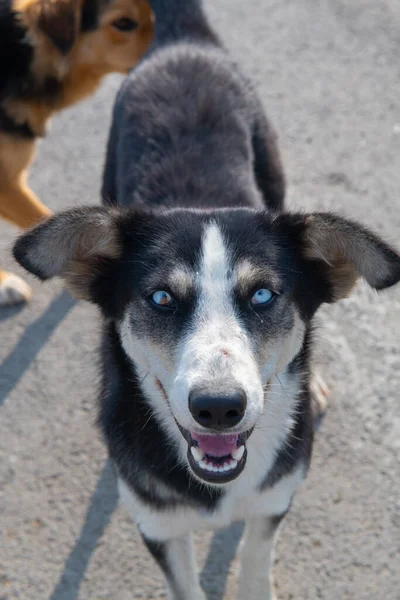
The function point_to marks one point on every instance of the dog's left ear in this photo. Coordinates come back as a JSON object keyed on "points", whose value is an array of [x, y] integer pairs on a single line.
{"points": [[77, 245], [348, 251], [59, 20]]}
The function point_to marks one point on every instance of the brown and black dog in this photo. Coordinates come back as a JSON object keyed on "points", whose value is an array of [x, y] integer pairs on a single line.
{"points": [[54, 53]]}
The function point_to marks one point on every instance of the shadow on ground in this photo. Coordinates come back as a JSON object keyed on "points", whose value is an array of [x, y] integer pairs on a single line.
{"points": [[222, 551], [104, 500], [32, 341], [102, 505]]}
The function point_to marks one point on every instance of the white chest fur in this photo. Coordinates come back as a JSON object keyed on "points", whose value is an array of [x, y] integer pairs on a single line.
{"points": [[165, 524]]}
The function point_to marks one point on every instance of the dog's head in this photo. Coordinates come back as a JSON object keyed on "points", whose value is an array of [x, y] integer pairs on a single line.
{"points": [[210, 307], [107, 35]]}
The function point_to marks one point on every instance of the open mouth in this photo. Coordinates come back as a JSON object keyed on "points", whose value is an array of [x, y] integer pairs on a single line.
{"points": [[217, 458]]}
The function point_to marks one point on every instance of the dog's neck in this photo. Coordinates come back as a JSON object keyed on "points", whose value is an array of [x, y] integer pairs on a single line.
{"points": [[58, 81], [79, 82]]}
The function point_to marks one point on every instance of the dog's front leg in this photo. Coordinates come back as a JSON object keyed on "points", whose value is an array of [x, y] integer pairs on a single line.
{"points": [[177, 561], [256, 559]]}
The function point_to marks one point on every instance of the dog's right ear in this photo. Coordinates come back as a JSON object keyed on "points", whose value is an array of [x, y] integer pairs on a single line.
{"points": [[59, 20], [75, 245]]}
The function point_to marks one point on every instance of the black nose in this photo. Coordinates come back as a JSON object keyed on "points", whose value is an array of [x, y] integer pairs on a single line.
{"points": [[217, 410]]}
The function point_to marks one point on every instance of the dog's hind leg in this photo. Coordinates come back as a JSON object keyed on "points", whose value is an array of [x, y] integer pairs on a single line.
{"points": [[177, 561], [256, 559], [20, 206]]}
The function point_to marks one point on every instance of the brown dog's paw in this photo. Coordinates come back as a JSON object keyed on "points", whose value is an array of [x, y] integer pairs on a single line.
{"points": [[13, 289]]}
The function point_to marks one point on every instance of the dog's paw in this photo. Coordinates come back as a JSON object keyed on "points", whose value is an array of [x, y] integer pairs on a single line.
{"points": [[13, 289]]}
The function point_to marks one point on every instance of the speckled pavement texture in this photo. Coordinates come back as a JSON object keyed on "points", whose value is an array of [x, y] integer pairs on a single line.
{"points": [[328, 73]]}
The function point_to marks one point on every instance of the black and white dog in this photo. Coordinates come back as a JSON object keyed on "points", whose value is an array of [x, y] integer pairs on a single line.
{"points": [[208, 289]]}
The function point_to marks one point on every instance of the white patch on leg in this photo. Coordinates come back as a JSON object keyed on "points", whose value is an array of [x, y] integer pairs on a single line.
{"points": [[172, 527], [182, 562], [255, 582]]}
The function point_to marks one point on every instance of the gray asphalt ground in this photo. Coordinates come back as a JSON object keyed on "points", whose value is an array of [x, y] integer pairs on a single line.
{"points": [[328, 73]]}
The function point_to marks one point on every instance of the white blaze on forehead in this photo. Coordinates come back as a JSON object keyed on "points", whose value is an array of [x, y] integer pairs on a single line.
{"points": [[215, 284], [217, 350]]}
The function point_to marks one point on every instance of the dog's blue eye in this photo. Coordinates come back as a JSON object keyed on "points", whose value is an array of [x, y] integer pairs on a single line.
{"points": [[262, 296], [162, 298]]}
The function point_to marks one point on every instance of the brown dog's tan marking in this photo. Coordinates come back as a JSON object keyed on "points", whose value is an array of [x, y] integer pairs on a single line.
{"points": [[77, 62]]}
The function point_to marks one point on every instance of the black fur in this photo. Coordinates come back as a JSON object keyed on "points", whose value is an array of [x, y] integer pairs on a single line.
{"points": [[10, 126], [16, 53], [298, 445], [188, 128], [90, 14]]}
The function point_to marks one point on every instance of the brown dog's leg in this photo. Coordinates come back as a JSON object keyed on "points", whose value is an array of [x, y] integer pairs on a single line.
{"points": [[18, 205]]}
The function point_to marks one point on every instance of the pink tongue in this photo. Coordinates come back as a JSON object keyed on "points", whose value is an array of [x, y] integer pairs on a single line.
{"points": [[216, 445]]}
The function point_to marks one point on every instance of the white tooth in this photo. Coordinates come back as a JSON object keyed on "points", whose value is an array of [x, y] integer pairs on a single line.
{"points": [[197, 454], [215, 469], [221, 469], [238, 453], [203, 464], [226, 467], [233, 464], [209, 466]]}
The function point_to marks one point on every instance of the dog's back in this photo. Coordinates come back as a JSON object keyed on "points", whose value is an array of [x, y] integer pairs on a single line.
{"points": [[187, 124]]}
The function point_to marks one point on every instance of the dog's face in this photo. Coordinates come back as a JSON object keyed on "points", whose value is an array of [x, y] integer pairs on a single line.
{"points": [[212, 318], [102, 35], [210, 306], [122, 35]]}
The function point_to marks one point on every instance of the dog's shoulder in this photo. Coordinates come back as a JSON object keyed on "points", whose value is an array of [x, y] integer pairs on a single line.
{"points": [[180, 78]]}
